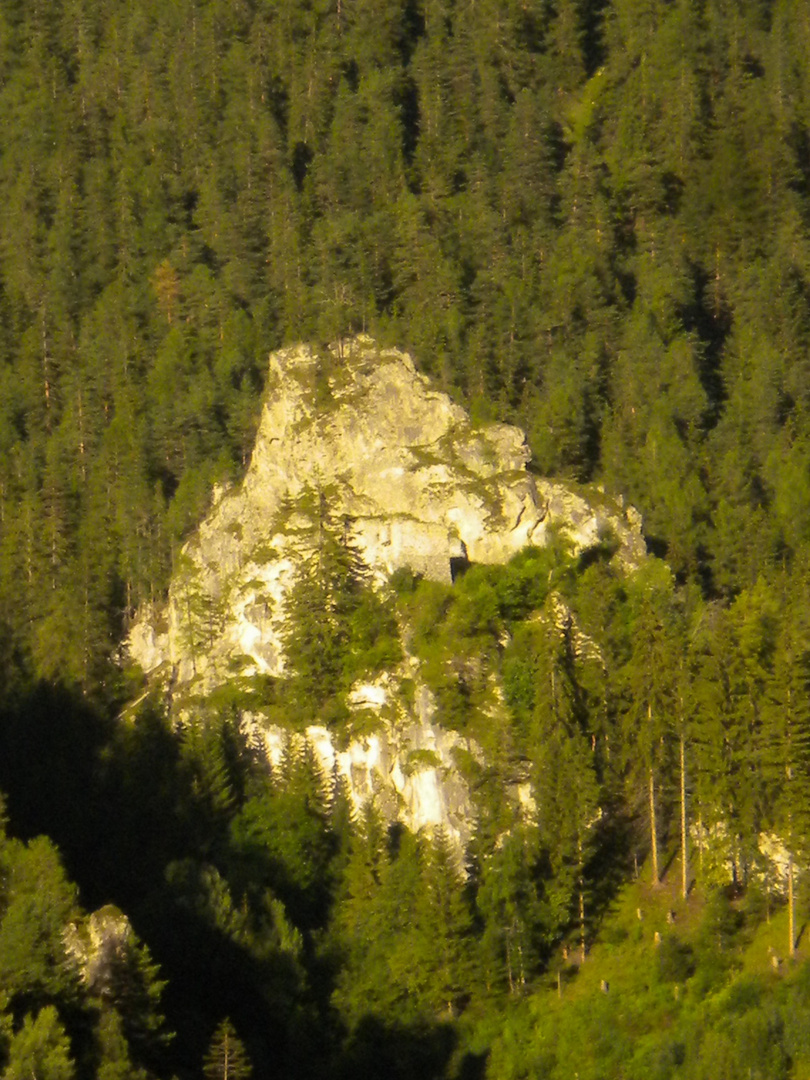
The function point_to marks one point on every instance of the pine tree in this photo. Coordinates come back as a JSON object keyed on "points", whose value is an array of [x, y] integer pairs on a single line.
{"points": [[115, 1060], [784, 751], [226, 1058], [565, 769], [356, 921], [447, 941], [319, 608], [519, 923], [39, 901]]}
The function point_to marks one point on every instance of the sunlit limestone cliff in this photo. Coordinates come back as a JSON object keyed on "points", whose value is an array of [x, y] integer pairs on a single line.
{"points": [[416, 485]]}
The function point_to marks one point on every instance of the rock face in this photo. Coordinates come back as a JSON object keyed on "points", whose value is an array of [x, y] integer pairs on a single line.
{"points": [[407, 766], [98, 947], [419, 487]]}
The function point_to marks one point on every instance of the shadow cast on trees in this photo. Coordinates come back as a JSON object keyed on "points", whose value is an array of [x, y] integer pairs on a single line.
{"points": [[50, 744], [379, 1051], [119, 804], [211, 977], [611, 864], [112, 796]]}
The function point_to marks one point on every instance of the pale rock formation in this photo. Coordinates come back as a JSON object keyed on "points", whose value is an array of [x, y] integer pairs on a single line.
{"points": [[420, 485], [98, 946], [721, 862], [422, 488], [407, 768]]}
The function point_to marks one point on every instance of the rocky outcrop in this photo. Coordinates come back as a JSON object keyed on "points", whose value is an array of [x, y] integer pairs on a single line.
{"points": [[97, 947], [407, 766], [420, 485]]}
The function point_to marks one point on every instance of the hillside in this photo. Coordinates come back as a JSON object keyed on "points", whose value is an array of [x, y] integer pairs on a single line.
{"points": [[340, 771], [585, 218], [422, 793]]}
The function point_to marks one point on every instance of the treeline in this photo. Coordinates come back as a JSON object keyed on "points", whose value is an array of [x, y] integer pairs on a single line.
{"points": [[586, 217]]}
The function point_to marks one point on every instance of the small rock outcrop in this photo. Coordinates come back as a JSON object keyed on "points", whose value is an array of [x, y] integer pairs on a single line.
{"points": [[98, 946]]}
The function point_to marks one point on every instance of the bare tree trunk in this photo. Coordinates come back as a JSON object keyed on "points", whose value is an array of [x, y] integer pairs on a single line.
{"points": [[46, 370], [791, 910], [684, 851], [653, 827], [653, 830], [581, 887], [81, 434]]}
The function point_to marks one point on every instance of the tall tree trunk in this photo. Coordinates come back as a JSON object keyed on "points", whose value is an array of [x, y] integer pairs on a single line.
{"points": [[581, 888], [46, 371], [653, 830], [791, 910], [684, 851]]}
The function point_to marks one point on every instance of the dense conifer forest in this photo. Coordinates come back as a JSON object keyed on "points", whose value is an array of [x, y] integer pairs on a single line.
{"points": [[587, 217]]}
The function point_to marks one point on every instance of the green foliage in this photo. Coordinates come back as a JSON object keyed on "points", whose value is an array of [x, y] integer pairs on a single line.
{"points": [[720, 925], [37, 904], [226, 1058], [404, 928], [336, 626], [134, 989], [40, 1048], [50, 995], [589, 222], [458, 632], [586, 217], [282, 836], [114, 1056], [675, 961], [521, 919]]}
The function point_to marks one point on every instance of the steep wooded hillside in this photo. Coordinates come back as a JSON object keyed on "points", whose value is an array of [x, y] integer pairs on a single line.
{"points": [[589, 218]]}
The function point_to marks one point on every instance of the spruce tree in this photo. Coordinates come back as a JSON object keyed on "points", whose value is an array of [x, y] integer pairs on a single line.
{"points": [[226, 1058], [651, 704], [784, 742], [40, 1048], [329, 589]]}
